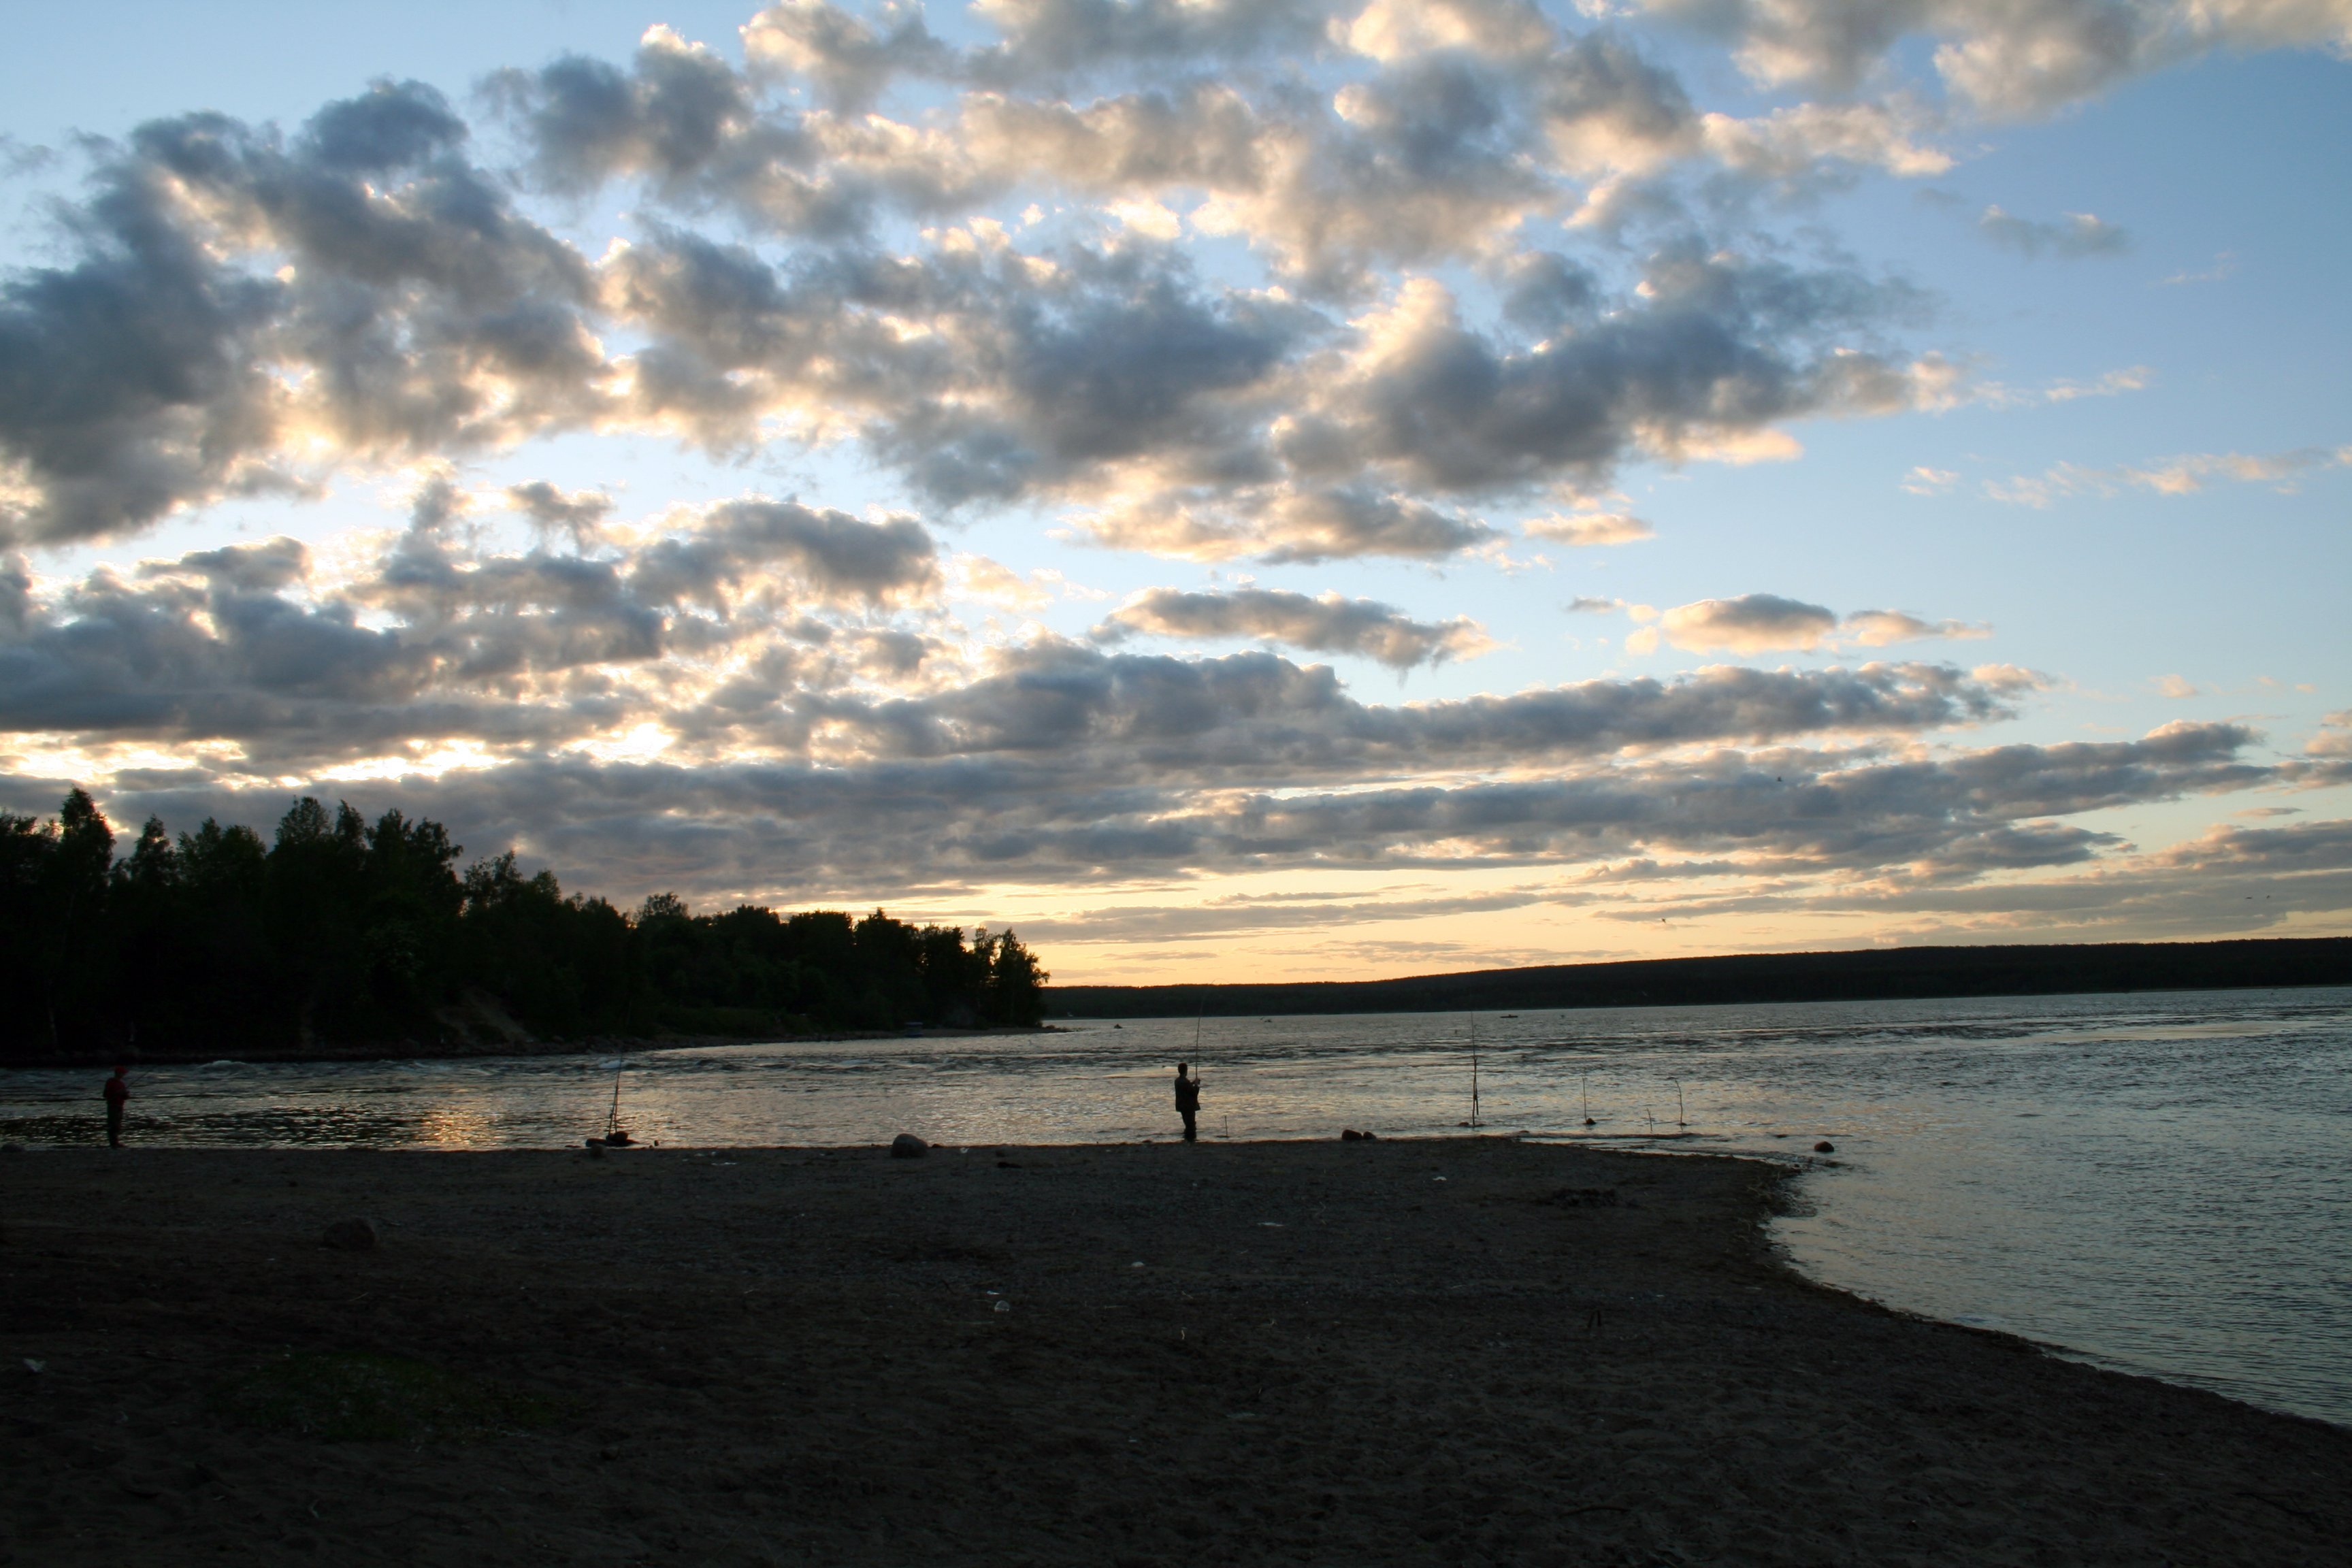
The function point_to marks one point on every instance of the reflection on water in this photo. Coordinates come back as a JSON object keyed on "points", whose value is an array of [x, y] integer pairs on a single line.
{"points": [[2159, 1182]]}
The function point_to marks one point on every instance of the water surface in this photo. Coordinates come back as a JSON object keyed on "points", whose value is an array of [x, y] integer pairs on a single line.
{"points": [[2158, 1181]]}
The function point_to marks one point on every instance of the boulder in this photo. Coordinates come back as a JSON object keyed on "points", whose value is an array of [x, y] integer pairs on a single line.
{"points": [[1824, 1147], [907, 1146], [350, 1236]]}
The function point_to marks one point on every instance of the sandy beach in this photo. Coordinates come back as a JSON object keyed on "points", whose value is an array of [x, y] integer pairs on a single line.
{"points": [[1468, 1350]]}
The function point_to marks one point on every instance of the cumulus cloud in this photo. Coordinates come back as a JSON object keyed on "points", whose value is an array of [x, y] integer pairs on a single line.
{"points": [[412, 311], [2005, 58], [1331, 623], [244, 311], [578, 513], [433, 639], [1763, 623], [1461, 261], [1752, 623], [739, 629]]}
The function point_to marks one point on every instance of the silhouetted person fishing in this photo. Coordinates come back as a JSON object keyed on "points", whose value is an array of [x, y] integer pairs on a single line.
{"points": [[1188, 1100], [117, 1093]]}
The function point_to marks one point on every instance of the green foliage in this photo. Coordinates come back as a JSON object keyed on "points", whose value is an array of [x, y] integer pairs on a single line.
{"points": [[343, 930]]}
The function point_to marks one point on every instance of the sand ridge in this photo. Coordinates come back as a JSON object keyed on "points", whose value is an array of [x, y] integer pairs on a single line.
{"points": [[1464, 1350]]}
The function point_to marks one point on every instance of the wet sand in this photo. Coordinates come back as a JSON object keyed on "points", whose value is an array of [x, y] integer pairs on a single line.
{"points": [[1471, 1350]]}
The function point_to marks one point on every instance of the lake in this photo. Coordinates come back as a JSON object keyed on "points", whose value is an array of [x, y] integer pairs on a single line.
{"points": [[2157, 1182]]}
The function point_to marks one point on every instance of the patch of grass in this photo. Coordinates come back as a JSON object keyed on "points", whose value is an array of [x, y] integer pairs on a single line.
{"points": [[353, 1396]]}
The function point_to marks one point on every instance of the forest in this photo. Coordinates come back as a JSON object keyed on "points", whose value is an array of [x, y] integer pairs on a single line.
{"points": [[341, 934]]}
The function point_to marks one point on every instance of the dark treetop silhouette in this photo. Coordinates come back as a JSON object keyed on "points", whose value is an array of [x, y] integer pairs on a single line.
{"points": [[344, 932]]}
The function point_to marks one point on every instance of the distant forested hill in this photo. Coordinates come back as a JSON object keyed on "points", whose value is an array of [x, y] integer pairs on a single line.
{"points": [[1879, 974], [342, 932]]}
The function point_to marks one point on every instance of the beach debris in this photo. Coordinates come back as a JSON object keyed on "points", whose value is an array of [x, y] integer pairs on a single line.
{"points": [[1003, 1306], [37, 1366], [907, 1146], [1824, 1147], [350, 1236]]}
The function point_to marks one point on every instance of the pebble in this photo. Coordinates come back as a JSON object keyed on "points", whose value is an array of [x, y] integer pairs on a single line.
{"points": [[350, 1236]]}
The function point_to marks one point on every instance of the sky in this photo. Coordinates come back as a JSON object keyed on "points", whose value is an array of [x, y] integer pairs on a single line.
{"points": [[1238, 490]]}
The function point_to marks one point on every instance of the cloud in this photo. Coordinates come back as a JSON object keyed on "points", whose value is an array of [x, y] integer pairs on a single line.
{"points": [[1299, 283], [739, 631], [2184, 475], [2174, 687], [2132, 378], [242, 311], [1761, 623], [847, 58], [431, 640], [1879, 628], [1925, 481], [837, 556], [411, 312], [2224, 264], [2004, 58], [993, 582], [1328, 624], [2081, 234], [578, 513], [2229, 880], [1752, 623], [2335, 736], [1590, 527], [1030, 809], [1790, 146]]}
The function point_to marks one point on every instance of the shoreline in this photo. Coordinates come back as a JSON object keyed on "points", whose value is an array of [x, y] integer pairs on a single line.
{"points": [[1409, 1350], [406, 1051]]}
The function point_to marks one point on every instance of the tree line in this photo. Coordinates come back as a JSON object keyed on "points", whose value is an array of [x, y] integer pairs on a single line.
{"points": [[341, 932]]}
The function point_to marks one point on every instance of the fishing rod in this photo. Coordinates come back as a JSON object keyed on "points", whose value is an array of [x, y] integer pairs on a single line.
{"points": [[615, 1134], [1473, 1073]]}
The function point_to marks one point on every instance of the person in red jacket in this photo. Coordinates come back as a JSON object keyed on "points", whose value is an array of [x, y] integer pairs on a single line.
{"points": [[116, 1092]]}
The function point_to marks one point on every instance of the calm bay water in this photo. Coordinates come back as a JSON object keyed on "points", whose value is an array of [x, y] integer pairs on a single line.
{"points": [[2159, 1182]]}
